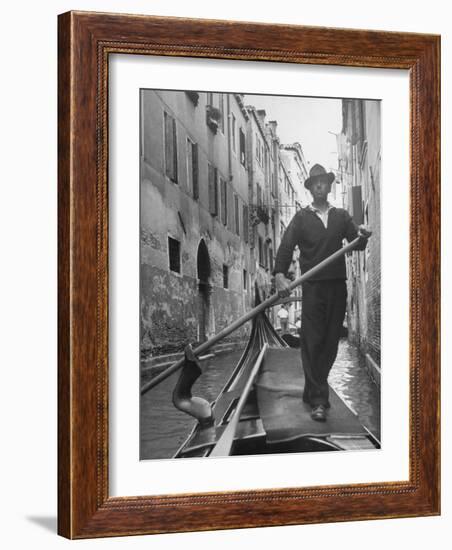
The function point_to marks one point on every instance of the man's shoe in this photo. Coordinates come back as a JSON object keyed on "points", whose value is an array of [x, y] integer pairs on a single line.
{"points": [[318, 413]]}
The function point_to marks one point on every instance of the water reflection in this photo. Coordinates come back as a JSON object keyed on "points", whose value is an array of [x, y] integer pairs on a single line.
{"points": [[351, 382]]}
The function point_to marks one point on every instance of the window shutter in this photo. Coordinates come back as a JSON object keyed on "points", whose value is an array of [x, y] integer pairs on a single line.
{"points": [[233, 131], [222, 112], [168, 144], [174, 176], [195, 170], [242, 147], [189, 164], [211, 198], [224, 201], [213, 190], [245, 223], [237, 220], [170, 147]]}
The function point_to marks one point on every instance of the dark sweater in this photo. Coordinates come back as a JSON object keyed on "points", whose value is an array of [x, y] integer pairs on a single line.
{"points": [[316, 242]]}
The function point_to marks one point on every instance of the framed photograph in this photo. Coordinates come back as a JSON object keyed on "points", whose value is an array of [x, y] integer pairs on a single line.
{"points": [[248, 275]]}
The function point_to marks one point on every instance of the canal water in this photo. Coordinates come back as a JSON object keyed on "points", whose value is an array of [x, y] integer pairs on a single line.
{"points": [[350, 380], [163, 428]]}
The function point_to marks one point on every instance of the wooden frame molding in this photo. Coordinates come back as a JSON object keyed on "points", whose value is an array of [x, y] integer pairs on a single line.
{"points": [[85, 42]]}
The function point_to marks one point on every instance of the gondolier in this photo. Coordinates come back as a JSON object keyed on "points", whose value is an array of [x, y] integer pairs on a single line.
{"points": [[318, 230]]}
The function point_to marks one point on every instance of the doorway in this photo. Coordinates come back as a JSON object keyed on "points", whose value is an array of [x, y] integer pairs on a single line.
{"points": [[204, 291]]}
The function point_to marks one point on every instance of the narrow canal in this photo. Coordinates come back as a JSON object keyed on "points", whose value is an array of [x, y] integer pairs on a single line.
{"points": [[164, 428]]}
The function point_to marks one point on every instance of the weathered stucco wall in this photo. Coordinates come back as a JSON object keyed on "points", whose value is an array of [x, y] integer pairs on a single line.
{"points": [[171, 303]]}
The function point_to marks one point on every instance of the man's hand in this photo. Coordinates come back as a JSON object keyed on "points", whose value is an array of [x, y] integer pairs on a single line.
{"points": [[282, 285], [364, 232]]}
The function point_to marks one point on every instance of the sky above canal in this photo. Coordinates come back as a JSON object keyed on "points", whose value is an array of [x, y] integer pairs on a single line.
{"points": [[307, 120]]}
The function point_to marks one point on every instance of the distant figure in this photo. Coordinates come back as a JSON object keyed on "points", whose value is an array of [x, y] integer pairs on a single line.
{"points": [[283, 316], [298, 324], [318, 230]]}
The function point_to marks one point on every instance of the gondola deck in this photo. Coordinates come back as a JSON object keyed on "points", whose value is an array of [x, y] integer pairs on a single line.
{"points": [[284, 415], [274, 418]]}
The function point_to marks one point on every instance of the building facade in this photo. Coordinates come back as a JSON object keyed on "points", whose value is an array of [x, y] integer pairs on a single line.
{"points": [[195, 260], [259, 172], [293, 195], [359, 147], [211, 171], [297, 172]]}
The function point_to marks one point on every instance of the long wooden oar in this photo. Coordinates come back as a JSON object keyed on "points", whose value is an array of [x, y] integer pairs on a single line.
{"points": [[252, 313], [224, 444]]}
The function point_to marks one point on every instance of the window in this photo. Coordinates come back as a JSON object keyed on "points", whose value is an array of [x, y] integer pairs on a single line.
{"points": [[245, 279], [224, 201], [245, 223], [225, 276], [213, 190], [236, 214], [174, 255], [170, 147], [242, 147], [192, 168], [209, 98], [233, 130]]}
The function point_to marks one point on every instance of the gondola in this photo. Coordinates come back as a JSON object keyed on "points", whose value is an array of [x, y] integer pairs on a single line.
{"points": [[260, 409]]}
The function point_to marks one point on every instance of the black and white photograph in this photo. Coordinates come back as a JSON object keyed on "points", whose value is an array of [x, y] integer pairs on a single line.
{"points": [[225, 233], [259, 274]]}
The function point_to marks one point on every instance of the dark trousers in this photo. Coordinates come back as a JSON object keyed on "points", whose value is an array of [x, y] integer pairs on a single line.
{"points": [[323, 312]]}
